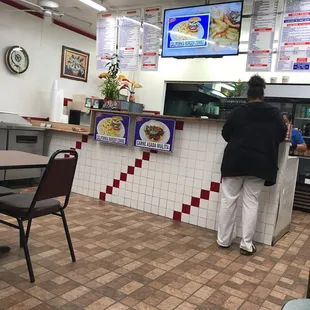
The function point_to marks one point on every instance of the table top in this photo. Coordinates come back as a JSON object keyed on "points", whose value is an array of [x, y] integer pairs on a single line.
{"points": [[21, 160]]}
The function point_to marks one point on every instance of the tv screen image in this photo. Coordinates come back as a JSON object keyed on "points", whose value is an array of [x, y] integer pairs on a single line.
{"points": [[202, 31]]}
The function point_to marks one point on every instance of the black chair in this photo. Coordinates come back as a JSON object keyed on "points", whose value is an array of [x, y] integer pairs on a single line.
{"points": [[56, 182], [308, 291], [4, 191]]}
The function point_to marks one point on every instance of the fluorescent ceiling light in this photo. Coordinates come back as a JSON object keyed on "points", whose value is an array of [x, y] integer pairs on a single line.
{"points": [[94, 5]]}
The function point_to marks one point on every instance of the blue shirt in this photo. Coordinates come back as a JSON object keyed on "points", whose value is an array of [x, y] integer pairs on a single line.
{"points": [[297, 137]]}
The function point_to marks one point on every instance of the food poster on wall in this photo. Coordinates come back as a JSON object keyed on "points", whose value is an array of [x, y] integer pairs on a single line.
{"points": [[151, 38], [180, 27], [112, 128], [294, 44], [106, 39], [155, 134], [129, 39], [263, 23]]}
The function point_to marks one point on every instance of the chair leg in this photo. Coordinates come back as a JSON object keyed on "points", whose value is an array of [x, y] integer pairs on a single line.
{"points": [[308, 292], [28, 229], [27, 256], [68, 235], [21, 243]]}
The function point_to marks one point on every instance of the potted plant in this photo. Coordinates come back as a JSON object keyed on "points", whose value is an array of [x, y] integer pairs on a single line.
{"points": [[113, 83], [240, 87], [111, 86]]}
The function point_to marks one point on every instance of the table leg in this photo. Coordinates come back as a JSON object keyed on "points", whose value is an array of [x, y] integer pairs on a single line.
{"points": [[4, 249]]}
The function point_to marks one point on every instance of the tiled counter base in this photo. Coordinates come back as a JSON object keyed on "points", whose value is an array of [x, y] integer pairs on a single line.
{"points": [[183, 186]]}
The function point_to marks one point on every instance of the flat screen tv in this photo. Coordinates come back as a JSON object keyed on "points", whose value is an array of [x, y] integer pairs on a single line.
{"points": [[202, 31]]}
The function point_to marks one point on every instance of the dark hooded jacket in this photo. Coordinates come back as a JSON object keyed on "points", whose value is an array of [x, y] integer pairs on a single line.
{"points": [[254, 132]]}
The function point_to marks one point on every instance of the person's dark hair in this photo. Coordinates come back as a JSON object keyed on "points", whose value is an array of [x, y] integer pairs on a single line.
{"points": [[288, 115], [257, 86]]}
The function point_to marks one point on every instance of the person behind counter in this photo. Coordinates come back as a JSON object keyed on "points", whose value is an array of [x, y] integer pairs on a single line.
{"points": [[297, 141], [254, 132]]}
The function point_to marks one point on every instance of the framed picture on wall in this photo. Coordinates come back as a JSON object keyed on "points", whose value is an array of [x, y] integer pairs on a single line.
{"points": [[74, 64]]}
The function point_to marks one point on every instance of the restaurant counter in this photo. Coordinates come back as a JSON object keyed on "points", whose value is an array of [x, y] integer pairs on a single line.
{"points": [[183, 185]]}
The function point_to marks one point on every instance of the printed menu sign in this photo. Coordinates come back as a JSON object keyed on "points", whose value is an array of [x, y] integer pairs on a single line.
{"points": [[151, 38], [129, 39], [155, 134], [106, 38], [112, 128], [294, 45], [263, 23]]}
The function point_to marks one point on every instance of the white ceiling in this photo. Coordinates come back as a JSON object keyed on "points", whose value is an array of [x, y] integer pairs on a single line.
{"points": [[82, 11]]}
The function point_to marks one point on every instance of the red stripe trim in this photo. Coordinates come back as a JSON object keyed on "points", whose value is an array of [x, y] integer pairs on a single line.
{"points": [[76, 30], [154, 112], [35, 118], [56, 22], [66, 101]]}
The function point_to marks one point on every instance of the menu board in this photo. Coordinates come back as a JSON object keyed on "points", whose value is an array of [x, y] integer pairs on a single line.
{"points": [[263, 23], [106, 38], [155, 134], [129, 39], [112, 128], [151, 38], [294, 45]]}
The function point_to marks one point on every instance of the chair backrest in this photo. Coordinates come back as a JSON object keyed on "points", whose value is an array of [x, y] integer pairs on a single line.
{"points": [[57, 178]]}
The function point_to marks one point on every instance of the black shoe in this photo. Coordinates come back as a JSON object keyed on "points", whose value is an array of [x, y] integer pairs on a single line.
{"points": [[4, 249], [224, 247], [247, 253]]}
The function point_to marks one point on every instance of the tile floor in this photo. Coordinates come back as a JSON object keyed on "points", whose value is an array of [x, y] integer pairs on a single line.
{"points": [[128, 259]]}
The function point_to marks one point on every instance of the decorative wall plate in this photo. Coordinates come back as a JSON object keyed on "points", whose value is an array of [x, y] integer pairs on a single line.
{"points": [[16, 59]]}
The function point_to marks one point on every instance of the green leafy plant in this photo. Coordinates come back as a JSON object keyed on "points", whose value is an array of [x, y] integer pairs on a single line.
{"points": [[240, 87], [110, 87]]}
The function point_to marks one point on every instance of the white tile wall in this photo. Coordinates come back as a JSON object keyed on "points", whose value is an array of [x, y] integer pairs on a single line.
{"points": [[166, 181]]}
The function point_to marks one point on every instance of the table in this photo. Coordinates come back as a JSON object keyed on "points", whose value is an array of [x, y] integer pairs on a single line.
{"points": [[20, 160]]}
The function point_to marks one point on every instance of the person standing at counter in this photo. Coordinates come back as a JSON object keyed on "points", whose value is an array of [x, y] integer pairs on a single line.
{"points": [[254, 132], [297, 141]]}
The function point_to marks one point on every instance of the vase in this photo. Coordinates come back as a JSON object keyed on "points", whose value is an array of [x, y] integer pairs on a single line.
{"points": [[132, 97]]}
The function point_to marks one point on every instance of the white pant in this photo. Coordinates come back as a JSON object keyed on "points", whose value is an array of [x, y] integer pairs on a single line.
{"points": [[231, 190]]}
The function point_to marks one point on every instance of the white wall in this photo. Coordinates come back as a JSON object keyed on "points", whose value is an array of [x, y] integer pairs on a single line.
{"points": [[223, 69], [28, 94]]}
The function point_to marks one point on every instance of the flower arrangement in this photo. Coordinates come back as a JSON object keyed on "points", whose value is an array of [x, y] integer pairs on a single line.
{"points": [[130, 86], [113, 83]]}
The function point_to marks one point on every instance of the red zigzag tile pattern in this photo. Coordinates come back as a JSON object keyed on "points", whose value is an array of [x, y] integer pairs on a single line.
{"points": [[123, 175], [195, 202], [78, 145], [186, 208]]}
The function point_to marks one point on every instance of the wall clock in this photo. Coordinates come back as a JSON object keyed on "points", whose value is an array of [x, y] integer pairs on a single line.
{"points": [[16, 59]]}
